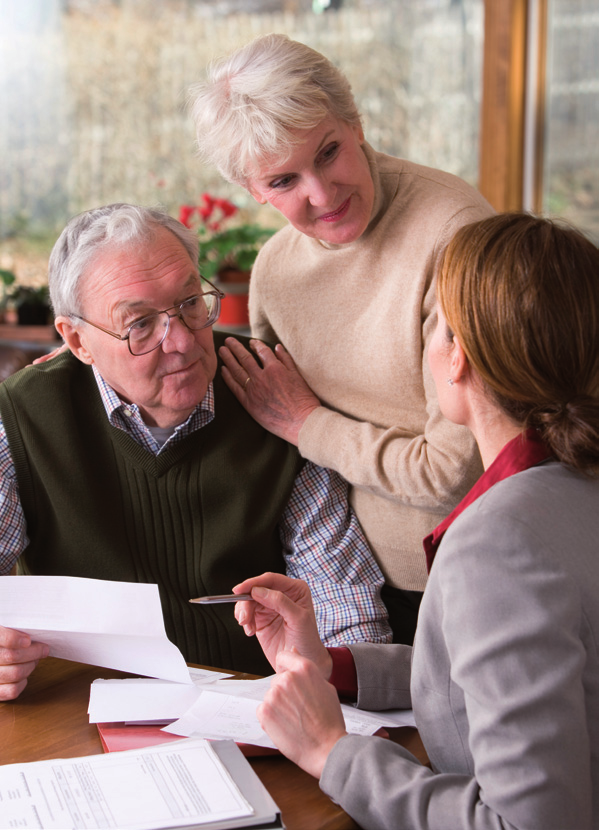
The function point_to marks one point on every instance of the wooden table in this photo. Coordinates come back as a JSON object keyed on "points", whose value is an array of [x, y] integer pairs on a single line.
{"points": [[49, 720]]}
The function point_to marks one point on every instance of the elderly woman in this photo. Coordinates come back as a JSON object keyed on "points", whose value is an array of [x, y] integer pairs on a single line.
{"points": [[346, 290], [505, 669]]}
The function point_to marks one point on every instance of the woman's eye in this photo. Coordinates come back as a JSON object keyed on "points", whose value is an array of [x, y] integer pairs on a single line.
{"points": [[284, 181], [329, 152]]}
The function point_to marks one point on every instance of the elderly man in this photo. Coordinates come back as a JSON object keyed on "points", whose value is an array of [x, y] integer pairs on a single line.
{"points": [[127, 457]]}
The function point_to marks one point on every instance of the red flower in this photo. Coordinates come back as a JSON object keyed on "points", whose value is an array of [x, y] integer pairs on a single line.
{"points": [[228, 208], [206, 209], [185, 214]]}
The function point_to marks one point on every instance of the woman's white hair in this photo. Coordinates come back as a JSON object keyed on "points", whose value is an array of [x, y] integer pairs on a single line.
{"points": [[253, 102], [95, 230]]}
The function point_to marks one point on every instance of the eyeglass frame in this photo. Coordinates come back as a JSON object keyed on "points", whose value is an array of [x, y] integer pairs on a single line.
{"points": [[216, 292]]}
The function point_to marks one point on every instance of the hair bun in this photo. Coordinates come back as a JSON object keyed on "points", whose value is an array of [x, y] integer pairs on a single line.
{"points": [[571, 429]]}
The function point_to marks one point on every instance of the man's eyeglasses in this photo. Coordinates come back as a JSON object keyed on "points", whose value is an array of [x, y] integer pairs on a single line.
{"points": [[148, 333]]}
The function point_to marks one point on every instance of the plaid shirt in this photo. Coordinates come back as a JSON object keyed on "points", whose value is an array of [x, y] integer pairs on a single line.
{"points": [[321, 538]]}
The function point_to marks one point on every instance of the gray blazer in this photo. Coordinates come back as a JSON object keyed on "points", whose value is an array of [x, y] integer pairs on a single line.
{"points": [[504, 675]]}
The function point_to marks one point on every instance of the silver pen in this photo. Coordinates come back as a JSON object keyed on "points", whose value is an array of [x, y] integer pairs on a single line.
{"points": [[221, 598]]}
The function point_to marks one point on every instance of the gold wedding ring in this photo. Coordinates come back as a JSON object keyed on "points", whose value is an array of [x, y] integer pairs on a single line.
{"points": [[247, 381]]}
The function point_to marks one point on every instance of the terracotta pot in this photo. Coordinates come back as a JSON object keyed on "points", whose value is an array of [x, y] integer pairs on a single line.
{"points": [[234, 305]]}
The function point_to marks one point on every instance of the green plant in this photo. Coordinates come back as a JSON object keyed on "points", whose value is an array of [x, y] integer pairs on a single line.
{"points": [[7, 278], [236, 246], [29, 295]]}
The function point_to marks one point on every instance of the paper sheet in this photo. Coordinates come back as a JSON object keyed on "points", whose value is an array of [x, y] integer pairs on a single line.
{"points": [[146, 700], [217, 716], [118, 625], [228, 710], [171, 785]]}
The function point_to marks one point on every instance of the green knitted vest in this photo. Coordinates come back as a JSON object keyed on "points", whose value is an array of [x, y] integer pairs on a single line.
{"points": [[196, 520]]}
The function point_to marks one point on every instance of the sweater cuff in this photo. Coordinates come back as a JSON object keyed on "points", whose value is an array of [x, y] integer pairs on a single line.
{"points": [[344, 676], [315, 436]]}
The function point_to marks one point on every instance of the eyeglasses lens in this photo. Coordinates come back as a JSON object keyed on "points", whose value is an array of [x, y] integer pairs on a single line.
{"points": [[197, 313]]}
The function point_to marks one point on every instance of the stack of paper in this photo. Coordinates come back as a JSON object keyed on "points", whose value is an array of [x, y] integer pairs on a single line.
{"points": [[179, 785], [223, 709]]}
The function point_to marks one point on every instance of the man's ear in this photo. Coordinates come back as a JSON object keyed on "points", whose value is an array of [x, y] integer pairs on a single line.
{"points": [[71, 334]]}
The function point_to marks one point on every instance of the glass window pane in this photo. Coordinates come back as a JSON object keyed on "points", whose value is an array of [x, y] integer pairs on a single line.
{"points": [[94, 92], [571, 170]]}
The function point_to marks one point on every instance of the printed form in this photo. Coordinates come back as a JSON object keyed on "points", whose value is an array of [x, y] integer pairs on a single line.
{"points": [[172, 785]]}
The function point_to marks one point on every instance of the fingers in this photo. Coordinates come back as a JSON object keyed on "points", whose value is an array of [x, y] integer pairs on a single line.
{"points": [[18, 658], [10, 638], [245, 611], [239, 368], [277, 602], [283, 355], [279, 593], [239, 362], [13, 679], [278, 582], [245, 616], [18, 647], [269, 386], [54, 353], [265, 353]]}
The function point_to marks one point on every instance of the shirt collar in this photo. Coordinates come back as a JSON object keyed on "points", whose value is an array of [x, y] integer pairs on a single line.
{"points": [[124, 415], [522, 452]]}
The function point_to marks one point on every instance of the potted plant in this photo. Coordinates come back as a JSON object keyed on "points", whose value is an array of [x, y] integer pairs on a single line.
{"points": [[227, 251], [32, 304], [7, 278]]}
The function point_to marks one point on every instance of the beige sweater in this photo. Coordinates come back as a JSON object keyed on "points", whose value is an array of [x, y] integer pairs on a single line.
{"points": [[357, 319]]}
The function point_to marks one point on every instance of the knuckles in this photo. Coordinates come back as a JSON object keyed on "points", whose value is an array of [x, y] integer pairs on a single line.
{"points": [[15, 672], [11, 691]]}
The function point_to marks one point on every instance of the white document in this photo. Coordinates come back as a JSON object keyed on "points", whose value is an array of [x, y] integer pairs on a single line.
{"points": [[228, 710], [171, 785], [256, 689], [146, 700], [118, 625], [219, 716]]}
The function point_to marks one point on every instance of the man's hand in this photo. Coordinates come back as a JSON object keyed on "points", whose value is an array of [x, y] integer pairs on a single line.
{"points": [[18, 658], [282, 618], [271, 388], [301, 713]]}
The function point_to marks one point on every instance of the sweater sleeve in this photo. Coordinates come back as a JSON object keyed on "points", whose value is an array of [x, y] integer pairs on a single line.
{"points": [[432, 470]]}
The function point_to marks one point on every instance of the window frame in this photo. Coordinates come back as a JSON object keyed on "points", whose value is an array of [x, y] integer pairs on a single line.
{"points": [[513, 104]]}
